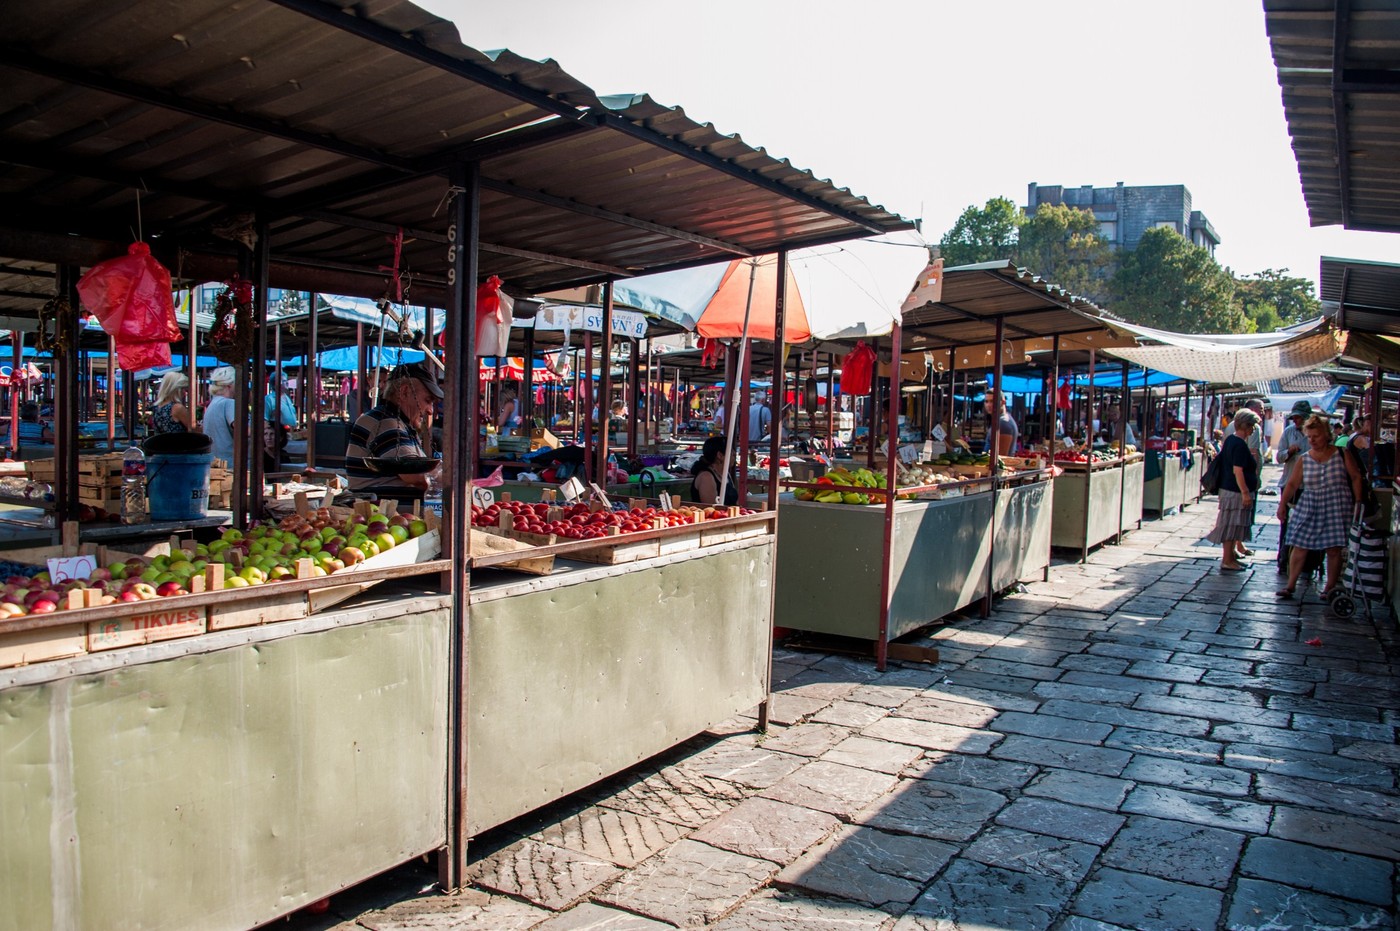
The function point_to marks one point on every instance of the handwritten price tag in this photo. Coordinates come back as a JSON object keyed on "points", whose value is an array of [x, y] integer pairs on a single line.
{"points": [[572, 490], [71, 567], [483, 497]]}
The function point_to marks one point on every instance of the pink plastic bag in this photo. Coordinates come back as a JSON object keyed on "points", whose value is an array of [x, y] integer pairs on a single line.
{"points": [[130, 296]]}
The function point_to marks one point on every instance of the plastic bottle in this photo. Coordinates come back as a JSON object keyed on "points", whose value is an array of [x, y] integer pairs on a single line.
{"points": [[134, 486], [432, 496]]}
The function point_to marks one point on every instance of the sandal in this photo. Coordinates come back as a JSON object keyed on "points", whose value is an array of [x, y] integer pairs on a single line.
{"points": [[1233, 568], [1285, 593], [1245, 551]]}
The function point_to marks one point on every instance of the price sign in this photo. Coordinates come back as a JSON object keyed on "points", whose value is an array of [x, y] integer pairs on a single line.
{"points": [[939, 433], [572, 490], [599, 495], [483, 497], [908, 454], [67, 568], [666, 504]]}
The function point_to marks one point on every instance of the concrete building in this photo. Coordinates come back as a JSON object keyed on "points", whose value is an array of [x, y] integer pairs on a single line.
{"points": [[1125, 212]]}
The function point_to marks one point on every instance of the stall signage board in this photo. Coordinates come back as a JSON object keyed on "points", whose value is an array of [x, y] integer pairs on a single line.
{"points": [[145, 628], [572, 490], [66, 568]]}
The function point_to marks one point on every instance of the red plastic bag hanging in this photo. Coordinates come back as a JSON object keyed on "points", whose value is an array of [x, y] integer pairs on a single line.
{"points": [[709, 351], [494, 309], [1062, 399], [130, 296], [858, 370]]}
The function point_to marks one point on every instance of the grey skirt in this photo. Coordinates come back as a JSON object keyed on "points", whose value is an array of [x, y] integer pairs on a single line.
{"points": [[1233, 521]]}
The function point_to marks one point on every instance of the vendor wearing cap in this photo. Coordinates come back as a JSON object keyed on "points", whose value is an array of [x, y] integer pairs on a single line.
{"points": [[390, 430]]}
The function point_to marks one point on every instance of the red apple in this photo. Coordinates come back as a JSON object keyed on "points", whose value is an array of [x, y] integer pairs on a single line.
{"points": [[166, 589], [129, 595], [43, 606]]}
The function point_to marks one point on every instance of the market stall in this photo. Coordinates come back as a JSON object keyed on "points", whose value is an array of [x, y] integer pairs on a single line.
{"points": [[215, 748], [948, 535]]}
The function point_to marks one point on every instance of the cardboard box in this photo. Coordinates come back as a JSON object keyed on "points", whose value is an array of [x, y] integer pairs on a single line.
{"points": [[542, 437]]}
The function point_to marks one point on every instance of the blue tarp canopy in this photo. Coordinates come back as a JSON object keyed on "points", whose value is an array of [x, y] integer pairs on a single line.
{"points": [[1019, 384], [347, 358], [363, 310]]}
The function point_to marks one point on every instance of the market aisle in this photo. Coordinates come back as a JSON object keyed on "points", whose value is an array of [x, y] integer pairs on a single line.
{"points": [[1140, 742]]}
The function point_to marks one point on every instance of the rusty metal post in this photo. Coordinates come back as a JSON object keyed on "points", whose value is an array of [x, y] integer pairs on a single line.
{"points": [[882, 645], [605, 386], [462, 427], [261, 263]]}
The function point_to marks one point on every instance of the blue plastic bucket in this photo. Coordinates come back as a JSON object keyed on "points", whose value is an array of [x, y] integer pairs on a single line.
{"points": [[177, 485]]}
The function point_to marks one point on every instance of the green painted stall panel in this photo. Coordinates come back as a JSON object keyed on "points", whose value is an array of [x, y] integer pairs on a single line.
{"points": [[1101, 503], [830, 556], [577, 676], [1164, 493], [1133, 473], [1023, 533], [223, 789]]}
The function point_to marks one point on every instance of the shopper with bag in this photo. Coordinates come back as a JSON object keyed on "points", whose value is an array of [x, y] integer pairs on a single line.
{"points": [[1331, 485], [1291, 448], [1239, 483]]}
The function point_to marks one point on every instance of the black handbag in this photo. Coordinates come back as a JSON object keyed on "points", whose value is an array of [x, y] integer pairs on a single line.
{"points": [[1210, 481]]}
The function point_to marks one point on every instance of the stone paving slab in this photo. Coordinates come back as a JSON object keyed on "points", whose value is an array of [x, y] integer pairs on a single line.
{"points": [[1349, 876], [1071, 822], [688, 885], [1147, 902], [769, 830], [831, 787], [1189, 853], [866, 865], [591, 917], [542, 874], [779, 910], [1265, 906], [972, 895], [941, 810]]}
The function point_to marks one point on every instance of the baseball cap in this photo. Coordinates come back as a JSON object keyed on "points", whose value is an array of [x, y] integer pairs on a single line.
{"points": [[421, 372]]}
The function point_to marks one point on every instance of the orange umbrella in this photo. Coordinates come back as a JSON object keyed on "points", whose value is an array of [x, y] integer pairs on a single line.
{"points": [[753, 284]]}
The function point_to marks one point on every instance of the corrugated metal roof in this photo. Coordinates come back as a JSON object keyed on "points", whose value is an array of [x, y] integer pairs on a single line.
{"points": [[974, 296], [1366, 294], [339, 119], [1341, 56]]}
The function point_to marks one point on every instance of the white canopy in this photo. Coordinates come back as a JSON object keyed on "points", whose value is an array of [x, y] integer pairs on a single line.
{"points": [[1233, 358]]}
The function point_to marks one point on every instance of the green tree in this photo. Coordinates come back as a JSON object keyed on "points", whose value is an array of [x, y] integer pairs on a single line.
{"points": [[982, 234], [1170, 283], [1062, 245], [1272, 298]]}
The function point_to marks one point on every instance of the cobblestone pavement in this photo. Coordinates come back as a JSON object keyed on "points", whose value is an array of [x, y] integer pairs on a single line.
{"points": [[1140, 742]]}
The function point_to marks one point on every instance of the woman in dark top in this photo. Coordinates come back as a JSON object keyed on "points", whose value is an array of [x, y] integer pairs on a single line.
{"points": [[1239, 482], [709, 473]]}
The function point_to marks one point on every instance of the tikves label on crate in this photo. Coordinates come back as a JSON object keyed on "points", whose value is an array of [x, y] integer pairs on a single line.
{"points": [[145, 628]]}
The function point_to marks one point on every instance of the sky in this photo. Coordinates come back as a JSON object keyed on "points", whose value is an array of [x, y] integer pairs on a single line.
{"points": [[927, 108]]}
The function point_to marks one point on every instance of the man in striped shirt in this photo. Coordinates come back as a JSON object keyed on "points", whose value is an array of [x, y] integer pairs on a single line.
{"points": [[389, 431]]}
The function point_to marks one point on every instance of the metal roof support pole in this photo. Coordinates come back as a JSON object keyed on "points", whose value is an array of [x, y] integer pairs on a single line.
{"points": [[312, 372], [745, 413], [462, 427], [633, 414], [1186, 419], [994, 446], [241, 438], [1089, 456], [775, 446], [277, 379], [191, 356], [1054, 401], [261, 263], [1123, 453], [361, 371], [882, 646], [525, 404], [583, 407], [65, 411], [605, 386], [1204, 440], [830, 405], [873, 405], [17, 366]]}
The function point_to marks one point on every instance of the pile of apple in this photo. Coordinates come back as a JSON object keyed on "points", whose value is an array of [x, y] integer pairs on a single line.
{"points": [[266, 553], [579, 522]]}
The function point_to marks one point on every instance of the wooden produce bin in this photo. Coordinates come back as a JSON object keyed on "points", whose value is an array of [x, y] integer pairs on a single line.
{"points": [[577, 676], [99, 479], [830, 559]]}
